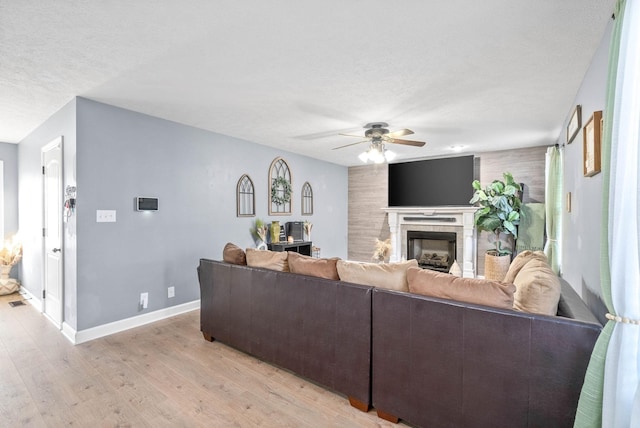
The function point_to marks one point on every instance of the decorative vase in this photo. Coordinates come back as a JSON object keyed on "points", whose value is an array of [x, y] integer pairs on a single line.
{"points": [[496, 267], [262, 246], [7, 285], [275, 231]]}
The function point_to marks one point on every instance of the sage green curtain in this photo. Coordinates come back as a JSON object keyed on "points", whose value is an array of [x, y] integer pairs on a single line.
{"points": [[553, 206], [589, 414]]}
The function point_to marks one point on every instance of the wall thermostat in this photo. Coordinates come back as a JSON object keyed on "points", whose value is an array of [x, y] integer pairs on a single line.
{"points": [[146, 204]]}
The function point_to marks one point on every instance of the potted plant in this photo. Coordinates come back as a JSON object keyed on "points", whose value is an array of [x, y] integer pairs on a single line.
{"points": [[259, 231], [499, 214]]}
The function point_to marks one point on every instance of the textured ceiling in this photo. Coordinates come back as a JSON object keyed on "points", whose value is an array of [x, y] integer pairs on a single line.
{"points": [[487, 75]]}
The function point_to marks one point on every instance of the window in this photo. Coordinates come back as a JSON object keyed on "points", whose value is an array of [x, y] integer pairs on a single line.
{"points": [[246, 198], [279, 188], [307, 199]]}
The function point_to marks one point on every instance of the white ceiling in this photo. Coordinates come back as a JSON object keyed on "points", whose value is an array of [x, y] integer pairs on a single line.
{"points": [[487, 75]]}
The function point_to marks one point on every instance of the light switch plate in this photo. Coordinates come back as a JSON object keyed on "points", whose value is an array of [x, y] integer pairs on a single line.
{"points": [[105, 216]]}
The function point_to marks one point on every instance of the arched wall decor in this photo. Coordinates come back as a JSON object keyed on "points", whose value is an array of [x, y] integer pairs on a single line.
{"points": [[307, 199], [280, 188], [245, 197]]}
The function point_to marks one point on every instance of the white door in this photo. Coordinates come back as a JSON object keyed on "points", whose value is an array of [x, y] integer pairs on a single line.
{"points": [[52, 297]]}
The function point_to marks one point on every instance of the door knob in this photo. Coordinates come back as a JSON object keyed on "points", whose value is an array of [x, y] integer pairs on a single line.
{"points": [[56, 250]]}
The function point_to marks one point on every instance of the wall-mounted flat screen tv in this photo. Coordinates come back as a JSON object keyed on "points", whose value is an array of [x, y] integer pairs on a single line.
{"points": [[432, 182]]}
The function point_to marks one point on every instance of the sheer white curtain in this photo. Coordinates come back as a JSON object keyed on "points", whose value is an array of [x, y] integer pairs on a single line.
{"points": [[621, 398]]}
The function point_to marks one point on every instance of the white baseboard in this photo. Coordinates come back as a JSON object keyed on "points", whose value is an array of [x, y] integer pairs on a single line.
{"points": [[33, 301], [77, 337]]}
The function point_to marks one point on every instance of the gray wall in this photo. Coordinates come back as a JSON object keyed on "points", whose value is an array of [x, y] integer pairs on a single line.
{"points": [[9, 155], [123, 154], [581, 227]]}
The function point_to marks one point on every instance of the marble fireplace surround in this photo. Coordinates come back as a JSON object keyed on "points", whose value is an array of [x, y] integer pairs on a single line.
{"points": [[435, 219]]}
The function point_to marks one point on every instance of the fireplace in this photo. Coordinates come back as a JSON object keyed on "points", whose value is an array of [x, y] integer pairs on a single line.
{"points": [[457, 222], [432, 250]]}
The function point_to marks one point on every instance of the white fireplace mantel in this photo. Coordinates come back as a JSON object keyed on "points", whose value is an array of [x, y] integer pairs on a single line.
{"points": [[459, 218]]}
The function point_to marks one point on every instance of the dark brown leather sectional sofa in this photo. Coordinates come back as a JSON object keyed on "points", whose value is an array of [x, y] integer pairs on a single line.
{"points": [[317, 328], [431, 362]]}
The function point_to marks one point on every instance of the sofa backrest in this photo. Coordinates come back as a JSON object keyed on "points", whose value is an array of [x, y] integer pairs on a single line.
{"points": [[316, 327], [439, 362]]}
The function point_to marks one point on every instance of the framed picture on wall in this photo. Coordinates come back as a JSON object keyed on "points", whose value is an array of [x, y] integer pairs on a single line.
{"points": [[591, 144], [575, 123]]}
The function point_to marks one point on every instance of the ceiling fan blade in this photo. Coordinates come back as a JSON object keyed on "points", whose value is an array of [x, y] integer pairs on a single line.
{"points": [[407, 142], [352, 135], [352, 144], [400, 133]]}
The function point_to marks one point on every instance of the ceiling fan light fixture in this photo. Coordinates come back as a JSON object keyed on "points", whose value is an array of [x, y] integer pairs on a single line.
{"points": [[376, 153], [389, 155]]}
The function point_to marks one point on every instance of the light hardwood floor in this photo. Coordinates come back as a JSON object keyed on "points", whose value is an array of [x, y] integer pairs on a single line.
{"points": [[160, 375]]}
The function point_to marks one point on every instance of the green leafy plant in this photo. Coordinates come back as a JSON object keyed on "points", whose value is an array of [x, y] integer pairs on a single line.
{"points": [[259, 230], [500, 209]]}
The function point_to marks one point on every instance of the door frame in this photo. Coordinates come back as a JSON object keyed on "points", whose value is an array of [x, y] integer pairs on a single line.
{"points": [[58, 141]]}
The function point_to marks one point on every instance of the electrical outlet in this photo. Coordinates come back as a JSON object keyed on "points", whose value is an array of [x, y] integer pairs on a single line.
{"points": [[171, 292], [144, 300]]}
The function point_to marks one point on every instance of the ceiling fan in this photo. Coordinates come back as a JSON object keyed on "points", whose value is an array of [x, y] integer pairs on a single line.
{"points": [[377, 134]]}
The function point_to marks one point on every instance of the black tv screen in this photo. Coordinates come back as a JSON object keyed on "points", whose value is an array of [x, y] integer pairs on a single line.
{"points": [[432, 182]]}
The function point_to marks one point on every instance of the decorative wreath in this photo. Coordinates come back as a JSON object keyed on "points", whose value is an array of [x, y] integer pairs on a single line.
{"points": [[280, 183]]}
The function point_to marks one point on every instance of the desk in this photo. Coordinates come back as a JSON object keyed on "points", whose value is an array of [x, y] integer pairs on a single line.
{"points": [[302, 247]]}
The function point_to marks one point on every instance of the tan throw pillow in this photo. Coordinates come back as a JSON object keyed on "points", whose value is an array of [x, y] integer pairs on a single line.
{"points": [[537, 289], [384, 275], [234, 254], [274, 260], [520, 260], [470, 290], [306, 265]]}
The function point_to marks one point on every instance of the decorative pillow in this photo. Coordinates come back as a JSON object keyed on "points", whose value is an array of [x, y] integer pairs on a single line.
{"points": [[384, 275], [537, 289], [306, 265], [470, 290], [234, 254], [520, 260], [274, 260]]}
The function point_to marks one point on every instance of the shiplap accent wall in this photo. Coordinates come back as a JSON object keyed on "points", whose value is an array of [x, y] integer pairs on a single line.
{"points": [[368, 188], [526, 166], [368, 194]]}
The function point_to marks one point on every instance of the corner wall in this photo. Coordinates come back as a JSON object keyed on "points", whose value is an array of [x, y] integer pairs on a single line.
{"points": [[62, 123], [582, 226], [122, 154]]}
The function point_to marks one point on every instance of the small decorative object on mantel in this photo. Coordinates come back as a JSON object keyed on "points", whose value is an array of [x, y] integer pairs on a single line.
{"points": [[307, 229], [591, 144], [383, 248], [260, 231], [575, 123], [10, 254], [499, 214], [280, 187]]}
